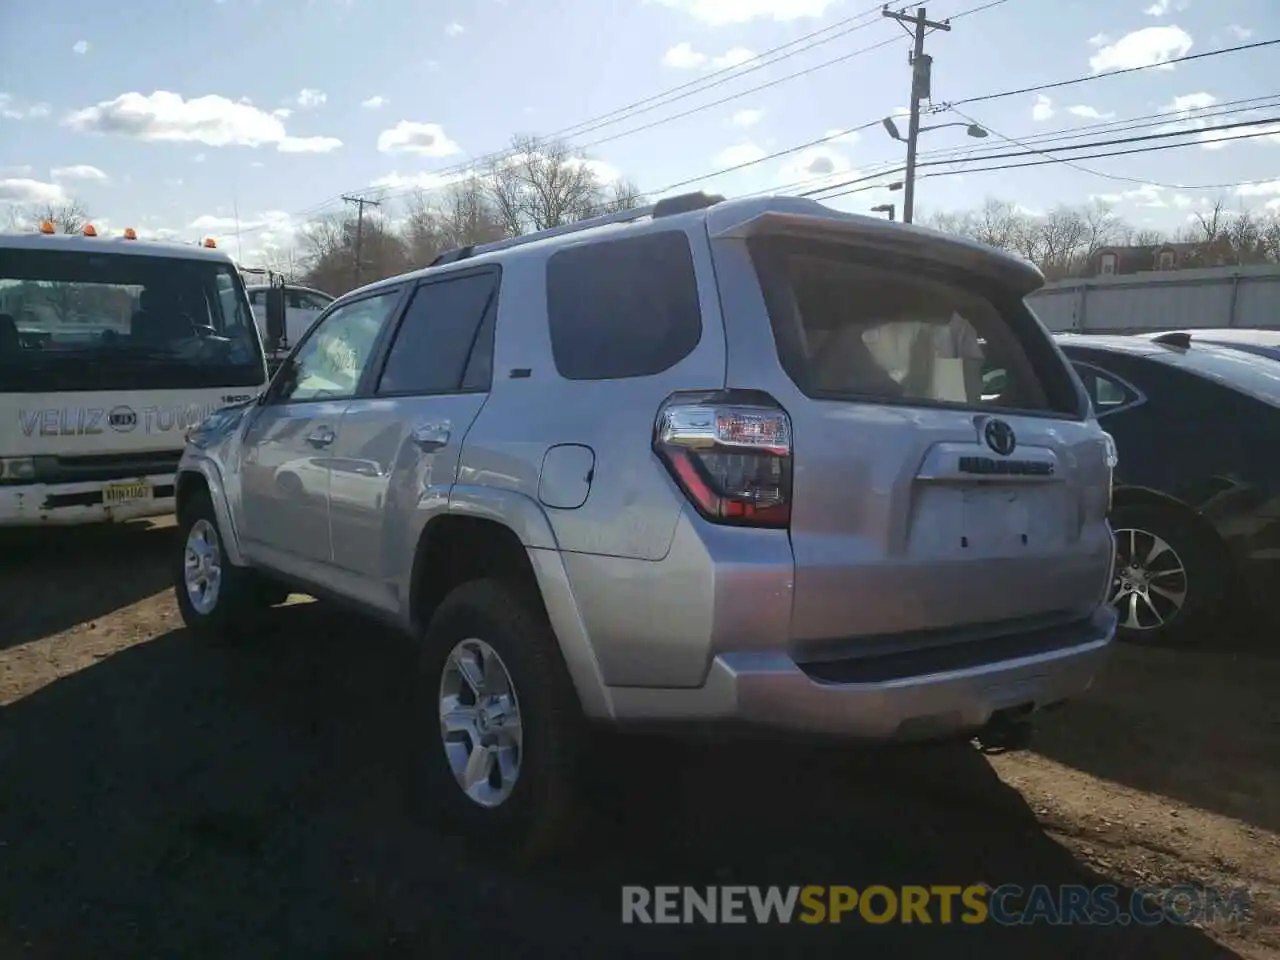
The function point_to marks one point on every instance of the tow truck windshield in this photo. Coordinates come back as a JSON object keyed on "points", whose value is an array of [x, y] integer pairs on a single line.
{"points": [[74, 320]]}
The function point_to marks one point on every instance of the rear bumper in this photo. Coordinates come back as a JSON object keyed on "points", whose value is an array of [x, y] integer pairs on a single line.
{"points": [[771, 690], [73, 504]]}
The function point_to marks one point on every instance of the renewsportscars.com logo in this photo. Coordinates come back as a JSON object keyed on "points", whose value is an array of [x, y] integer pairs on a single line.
{"points": [[1007, 905]]}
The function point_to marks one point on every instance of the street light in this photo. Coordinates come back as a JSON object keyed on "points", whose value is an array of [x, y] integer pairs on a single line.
{"points": [[908, 201], [888, 208], [970, 128]]}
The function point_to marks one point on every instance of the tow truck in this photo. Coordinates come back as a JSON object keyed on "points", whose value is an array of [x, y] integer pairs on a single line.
{"points": [[111, 348]]}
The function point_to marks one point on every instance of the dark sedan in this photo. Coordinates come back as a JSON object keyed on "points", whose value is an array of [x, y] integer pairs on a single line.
{"points": [[1196, 509]]}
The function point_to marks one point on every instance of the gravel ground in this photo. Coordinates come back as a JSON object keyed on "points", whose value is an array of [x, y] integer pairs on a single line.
{"points": [[159, 798]]}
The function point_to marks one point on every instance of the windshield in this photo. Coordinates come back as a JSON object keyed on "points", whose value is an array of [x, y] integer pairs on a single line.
{"points": [[1257, 376], [76, 320]]}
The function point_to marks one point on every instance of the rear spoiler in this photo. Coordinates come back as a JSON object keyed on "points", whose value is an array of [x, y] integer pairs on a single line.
{"points": [[812, 221]]}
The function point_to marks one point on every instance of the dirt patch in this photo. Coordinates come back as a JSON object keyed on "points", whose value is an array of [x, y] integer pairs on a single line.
{"points": [[161, 798]]}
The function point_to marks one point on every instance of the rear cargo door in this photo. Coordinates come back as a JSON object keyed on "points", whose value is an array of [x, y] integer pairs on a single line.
{"points": [[945, 476]]}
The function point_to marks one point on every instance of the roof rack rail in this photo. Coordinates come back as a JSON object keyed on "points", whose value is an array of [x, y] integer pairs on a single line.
{"points": [[669, 206], [1178, 339]]}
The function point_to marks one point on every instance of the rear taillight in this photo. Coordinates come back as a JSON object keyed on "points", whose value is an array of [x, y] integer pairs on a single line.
{"points": [[731, 458]]}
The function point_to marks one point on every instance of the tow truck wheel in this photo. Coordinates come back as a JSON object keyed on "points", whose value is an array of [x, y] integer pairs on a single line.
{"points": [[218, 601]]}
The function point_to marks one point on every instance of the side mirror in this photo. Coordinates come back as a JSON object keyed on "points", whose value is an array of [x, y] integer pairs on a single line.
{"points": [[275, 315]]}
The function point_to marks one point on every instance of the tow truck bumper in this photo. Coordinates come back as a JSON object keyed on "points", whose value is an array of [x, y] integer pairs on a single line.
{"points": [[86, 502]]}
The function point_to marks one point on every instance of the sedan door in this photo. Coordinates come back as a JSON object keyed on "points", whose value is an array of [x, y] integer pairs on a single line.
{"points": [[287, 449]]}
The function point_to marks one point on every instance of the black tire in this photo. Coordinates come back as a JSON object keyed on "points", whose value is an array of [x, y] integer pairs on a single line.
{"points": [[242, 598], [535, 820], [1202, 582]]}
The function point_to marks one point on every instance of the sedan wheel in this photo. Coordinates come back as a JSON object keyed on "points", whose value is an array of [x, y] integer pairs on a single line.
{"points": [[1150, 586]]}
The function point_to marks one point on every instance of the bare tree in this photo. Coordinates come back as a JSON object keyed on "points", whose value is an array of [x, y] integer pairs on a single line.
{"points": [[621, 195], [67, 216], [541, 184]]}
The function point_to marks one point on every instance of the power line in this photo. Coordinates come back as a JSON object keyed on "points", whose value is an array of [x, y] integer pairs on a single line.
{"points": [[1039, 163], [960, 154], [1111, 73]]}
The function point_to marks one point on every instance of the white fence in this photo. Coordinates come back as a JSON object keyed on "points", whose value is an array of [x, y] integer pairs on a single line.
{"points": [[1183, 299]]}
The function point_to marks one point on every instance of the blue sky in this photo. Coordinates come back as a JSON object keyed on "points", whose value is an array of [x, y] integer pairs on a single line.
{"points": [[176, 118]]}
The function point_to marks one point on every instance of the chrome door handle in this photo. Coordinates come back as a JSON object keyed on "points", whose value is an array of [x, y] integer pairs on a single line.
{"points": [[321, 437], [431, 436]]}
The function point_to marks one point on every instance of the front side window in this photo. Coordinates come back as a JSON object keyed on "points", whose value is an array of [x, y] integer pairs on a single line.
{"points": [[330, 363], [848, 327], [84, 320]]}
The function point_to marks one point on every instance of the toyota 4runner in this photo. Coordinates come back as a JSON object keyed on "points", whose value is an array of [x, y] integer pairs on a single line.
{"points": [[706, 462]]}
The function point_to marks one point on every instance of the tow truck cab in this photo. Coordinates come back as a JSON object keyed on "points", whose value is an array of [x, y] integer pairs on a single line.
{"points": [[111, 348]]}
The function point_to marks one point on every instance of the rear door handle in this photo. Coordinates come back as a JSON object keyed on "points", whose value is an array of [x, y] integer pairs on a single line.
{"points": [[321, 437], [431, 436]]}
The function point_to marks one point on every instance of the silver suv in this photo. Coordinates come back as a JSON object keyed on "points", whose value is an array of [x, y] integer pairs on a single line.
{"points": [[708, 462]]}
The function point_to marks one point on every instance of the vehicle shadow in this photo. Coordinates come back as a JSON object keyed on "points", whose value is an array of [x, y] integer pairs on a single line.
{"points": [[177, 799], [57, 577], [1200, 726]]}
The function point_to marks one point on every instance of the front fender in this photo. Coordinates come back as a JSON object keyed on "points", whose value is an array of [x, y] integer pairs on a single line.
{"points": [[193, 462]]}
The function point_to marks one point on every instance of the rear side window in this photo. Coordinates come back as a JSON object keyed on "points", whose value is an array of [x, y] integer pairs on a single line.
{"points": [[433, 347], [623, 308], [881, 330]]}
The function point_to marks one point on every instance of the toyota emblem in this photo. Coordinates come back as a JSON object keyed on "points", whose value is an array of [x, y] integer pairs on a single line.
{"points": [[999, 437]]}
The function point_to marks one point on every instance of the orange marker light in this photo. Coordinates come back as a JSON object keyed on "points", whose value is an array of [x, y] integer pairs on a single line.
{"points": [[90, 230], [46, 226], [130, 233], [210, 244]]}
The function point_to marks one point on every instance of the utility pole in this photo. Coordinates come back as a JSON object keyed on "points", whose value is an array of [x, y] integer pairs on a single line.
{"points": [[921, 68], [360, 203]]}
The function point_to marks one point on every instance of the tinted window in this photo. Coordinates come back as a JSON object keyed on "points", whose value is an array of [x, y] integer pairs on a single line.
{"points": [[1249, 373], [330, 363], [623, 308], [1105, 392], [433, 345], [902, 332], [257, 297]]}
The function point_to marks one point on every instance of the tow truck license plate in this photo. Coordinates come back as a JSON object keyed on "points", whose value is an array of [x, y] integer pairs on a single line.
{"points": [[125, 492]]}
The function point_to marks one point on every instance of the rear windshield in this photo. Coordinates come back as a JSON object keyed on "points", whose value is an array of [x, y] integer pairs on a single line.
{"points": [[77, 320], [853, 326], [1250, 373]]}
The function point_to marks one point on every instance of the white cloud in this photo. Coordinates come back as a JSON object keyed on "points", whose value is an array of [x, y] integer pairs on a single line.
{"points": [[284, 113], [817, 167], [79, 171], [735, 57], [1159, 8], [1043, 109], [81, 47], [419, 181], [425, 139], [718, 13], [747, 118], [1190, 102], [1147, 195], [1182, 201], [211, 120], [1239, 32], [10, 110], [1147, 47], [454, 29], [200, 158], [683, 57], [1265, 189], [738, 154], [1089, 113], [1099, 40], [606, 173], [373, 103], [23, 190], [308, 98]]}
